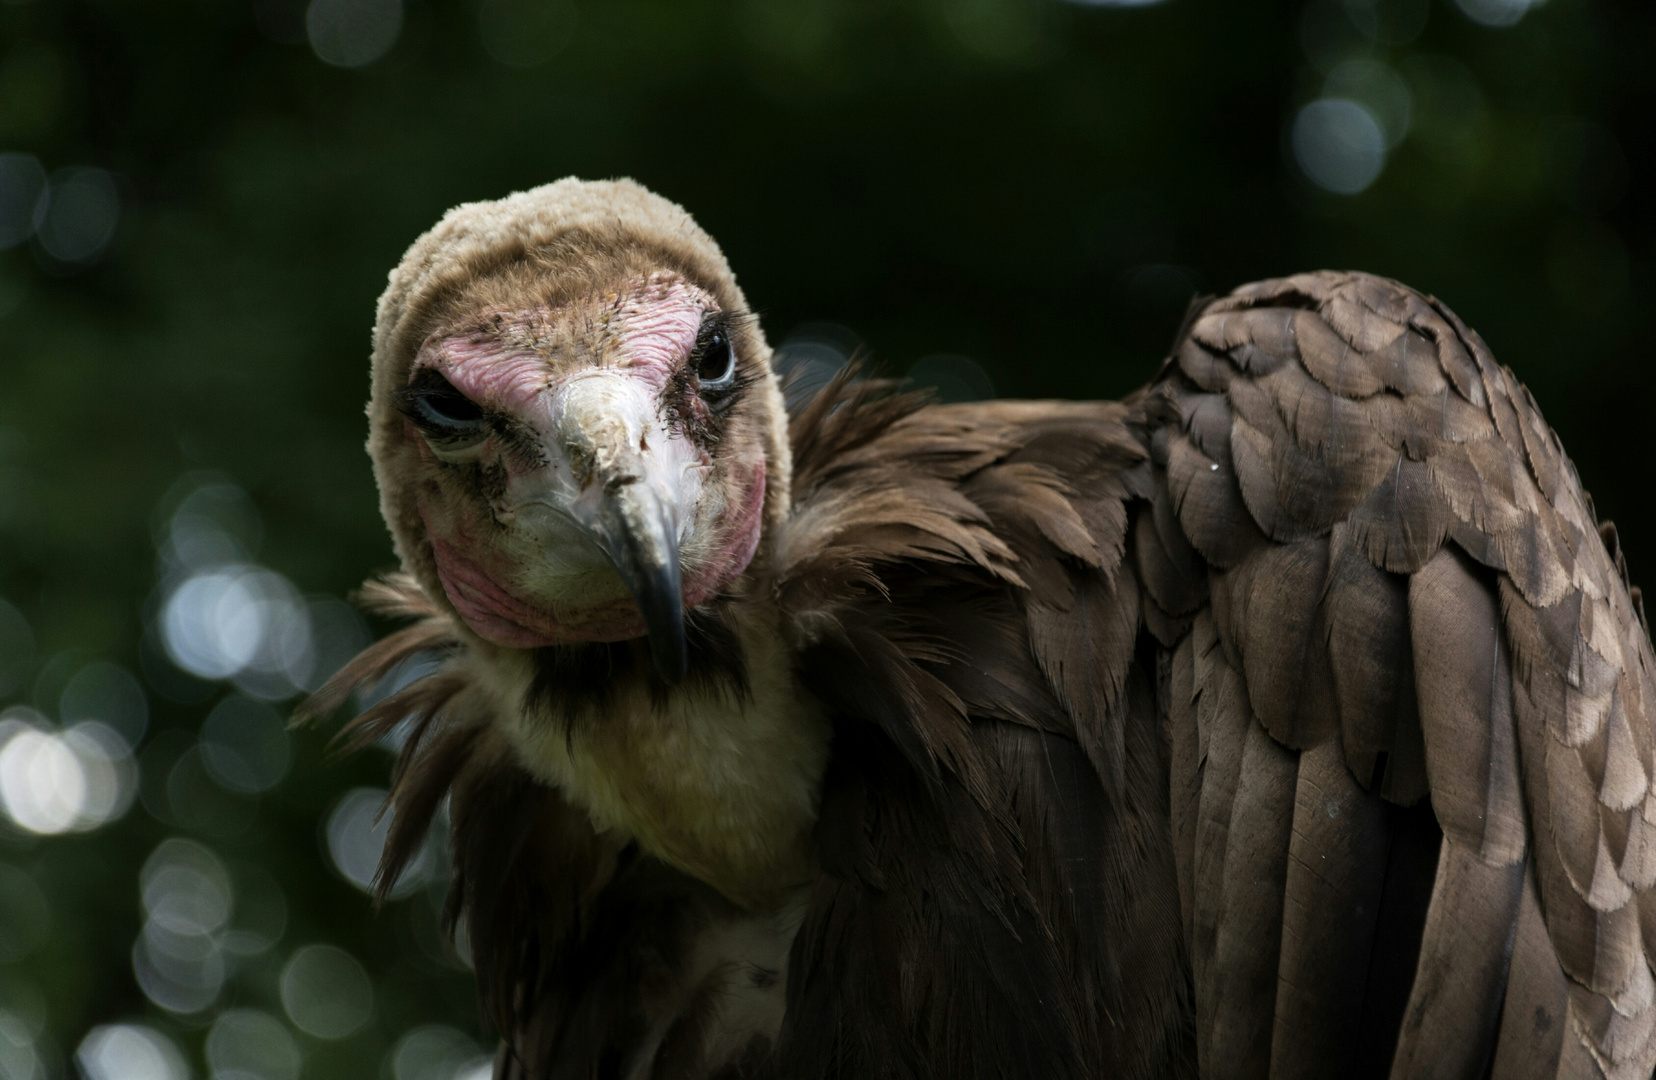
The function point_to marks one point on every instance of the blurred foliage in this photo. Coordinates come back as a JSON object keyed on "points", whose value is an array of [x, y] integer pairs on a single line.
{"points": [[1036, 186]]}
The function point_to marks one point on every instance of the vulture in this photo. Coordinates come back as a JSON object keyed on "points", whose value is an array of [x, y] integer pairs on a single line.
{"points": [[1291, 717]]}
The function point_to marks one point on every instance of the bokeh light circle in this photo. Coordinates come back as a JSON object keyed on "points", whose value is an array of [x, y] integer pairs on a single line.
{"points": [[1338, 145], [1379, 89], [251, 1043], [245, 745], [53, 782], [212, 523], [76, 219], [186, 892], [111, 777], [42, 784], [1494, 13], [952, 378], [18, 1057], [130, 1052], [352, 33], [356, 833], [526, 33], [185, 887], [110, 694], [326, 992], [240, 620], [182, 975], [435, 1052]]}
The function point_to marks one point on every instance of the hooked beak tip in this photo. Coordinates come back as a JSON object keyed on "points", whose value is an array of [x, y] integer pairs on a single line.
{"points": [[669, 653], [661, 603], [639, 534]]}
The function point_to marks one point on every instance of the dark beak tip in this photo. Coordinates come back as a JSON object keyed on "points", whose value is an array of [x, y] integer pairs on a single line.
{"points": [[643, 546], [671, 663], [661, 604]]}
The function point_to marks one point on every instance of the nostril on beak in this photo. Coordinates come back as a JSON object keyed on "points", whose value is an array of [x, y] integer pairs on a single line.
{"points": [[581, 462]]}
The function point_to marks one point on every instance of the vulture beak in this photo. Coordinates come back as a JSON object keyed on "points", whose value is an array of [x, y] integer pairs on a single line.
{"points": [[630, 479], [638, 530]]}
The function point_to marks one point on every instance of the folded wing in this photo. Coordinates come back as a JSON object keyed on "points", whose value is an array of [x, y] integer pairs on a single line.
{"points": [[1407, 620]]}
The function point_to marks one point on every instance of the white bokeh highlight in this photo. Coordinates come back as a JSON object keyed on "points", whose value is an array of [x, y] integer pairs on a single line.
{"points": [[130, 1052], [56, 781], [437, 1052], [179, 959], [237, 620], [1338, 144], [224, 617]]}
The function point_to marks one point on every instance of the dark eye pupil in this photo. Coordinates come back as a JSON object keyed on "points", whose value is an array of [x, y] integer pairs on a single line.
{"points": [[716, 361], [432, 402], [451, 407]]}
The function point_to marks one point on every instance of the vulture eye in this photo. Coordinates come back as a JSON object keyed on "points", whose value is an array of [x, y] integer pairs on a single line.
{"points": [[716, 367], [448, 418]]}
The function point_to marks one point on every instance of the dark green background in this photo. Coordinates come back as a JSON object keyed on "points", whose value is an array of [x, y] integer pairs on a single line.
{"points": [[986, 178]]}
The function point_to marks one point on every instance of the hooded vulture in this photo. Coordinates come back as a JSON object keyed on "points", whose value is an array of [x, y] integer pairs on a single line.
{"points": [[1289, 718]]}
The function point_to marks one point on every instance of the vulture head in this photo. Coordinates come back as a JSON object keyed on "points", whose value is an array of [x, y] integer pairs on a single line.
{"points": [[576, 430]]}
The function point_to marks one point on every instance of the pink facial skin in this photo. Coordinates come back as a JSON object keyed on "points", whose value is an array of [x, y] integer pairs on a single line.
{"points": [[508, 364], [501, 364], [497, 614]]}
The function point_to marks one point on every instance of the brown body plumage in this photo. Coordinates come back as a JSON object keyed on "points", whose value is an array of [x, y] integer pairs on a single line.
{"points": [[1286, 719]]}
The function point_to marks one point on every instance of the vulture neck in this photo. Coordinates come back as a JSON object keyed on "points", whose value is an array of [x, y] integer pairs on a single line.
{"points": [[718, 777]]}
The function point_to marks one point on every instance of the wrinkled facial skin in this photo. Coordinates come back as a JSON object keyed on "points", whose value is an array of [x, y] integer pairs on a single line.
{"points": [[569, 454]]}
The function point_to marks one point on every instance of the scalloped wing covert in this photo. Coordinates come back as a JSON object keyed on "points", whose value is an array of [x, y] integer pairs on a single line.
{"points": [[1408, 592]]}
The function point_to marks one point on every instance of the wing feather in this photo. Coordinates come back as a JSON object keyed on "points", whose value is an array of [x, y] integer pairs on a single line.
{"points": [[1275, 624], [1404, 578], [1185, 763], [1371, 661], [1248, 931], [1449, 1026], [1209, 504], [1537, 995], [1336, 874], [1463, 680], [1223, 721]]}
